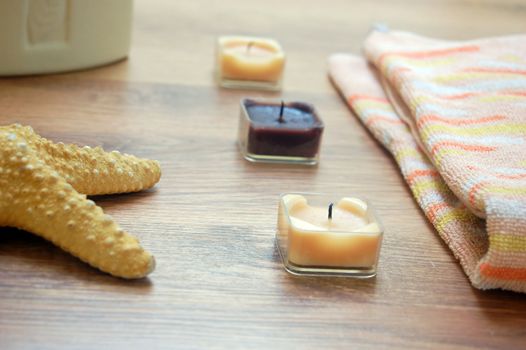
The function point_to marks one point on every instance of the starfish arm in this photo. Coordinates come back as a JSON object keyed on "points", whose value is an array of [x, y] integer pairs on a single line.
{"points": [[93, 171], [34, 197]]}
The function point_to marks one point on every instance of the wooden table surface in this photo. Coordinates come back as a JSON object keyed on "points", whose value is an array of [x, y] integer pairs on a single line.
{"points": [[210, 221]]}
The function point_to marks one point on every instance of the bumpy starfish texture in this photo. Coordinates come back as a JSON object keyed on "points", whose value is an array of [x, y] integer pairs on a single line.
{"points": [[43, 188]]}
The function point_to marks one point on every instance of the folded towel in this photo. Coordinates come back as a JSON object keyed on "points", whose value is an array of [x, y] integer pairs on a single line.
{"points": [[453, 114]]}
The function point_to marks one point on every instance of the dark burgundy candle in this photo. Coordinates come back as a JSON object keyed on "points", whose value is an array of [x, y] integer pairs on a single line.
{"points": [[277, 131]]}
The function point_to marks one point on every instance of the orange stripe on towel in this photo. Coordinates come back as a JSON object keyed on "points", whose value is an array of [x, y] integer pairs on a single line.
{"points": [[459, 96], [510, 176], [417, 173], [471, 94], [433, 210], [473, 192], [504, 273], [432, 117], [496, 70], [475, 148], [430, 53]]}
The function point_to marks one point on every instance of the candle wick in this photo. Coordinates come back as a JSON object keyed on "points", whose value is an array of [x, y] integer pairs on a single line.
{"points": [[330, 211], [281, 110], [249, 46]]}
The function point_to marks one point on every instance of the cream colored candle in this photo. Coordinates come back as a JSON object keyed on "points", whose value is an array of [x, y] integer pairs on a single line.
{"points": [[250, 59], [347, 239]]}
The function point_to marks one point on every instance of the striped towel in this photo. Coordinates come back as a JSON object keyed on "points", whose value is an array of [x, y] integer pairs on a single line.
{"points": [[453, 115]]}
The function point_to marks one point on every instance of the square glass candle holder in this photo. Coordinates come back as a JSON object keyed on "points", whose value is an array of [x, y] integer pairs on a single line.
{"points": [[249, 62], [279, 132], [316, 236]]}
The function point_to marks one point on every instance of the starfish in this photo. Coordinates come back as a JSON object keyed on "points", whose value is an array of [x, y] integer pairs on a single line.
{"points": [[43, 188]]}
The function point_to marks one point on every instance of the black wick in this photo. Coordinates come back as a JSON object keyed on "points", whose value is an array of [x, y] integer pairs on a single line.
{"points": [[282, 108], [330, 211], [249, 45]]}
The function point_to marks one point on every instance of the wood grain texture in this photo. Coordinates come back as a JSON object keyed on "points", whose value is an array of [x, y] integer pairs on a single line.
{"points": [[210, 221]]}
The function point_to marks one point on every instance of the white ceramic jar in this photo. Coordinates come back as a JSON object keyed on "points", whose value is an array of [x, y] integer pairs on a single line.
{"points": [[49, 36]]}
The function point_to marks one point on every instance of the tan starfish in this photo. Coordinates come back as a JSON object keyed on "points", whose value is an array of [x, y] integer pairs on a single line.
{"points": [[43, 188]]}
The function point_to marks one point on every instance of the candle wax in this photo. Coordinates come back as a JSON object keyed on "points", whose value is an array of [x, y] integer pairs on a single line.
{"points": [[296, 134], [250, 59], [349, 239]]}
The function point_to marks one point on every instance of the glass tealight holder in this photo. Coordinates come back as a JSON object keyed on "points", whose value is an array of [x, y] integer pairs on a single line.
{"points": [[249, 62], [318, 236], [278, 132]]}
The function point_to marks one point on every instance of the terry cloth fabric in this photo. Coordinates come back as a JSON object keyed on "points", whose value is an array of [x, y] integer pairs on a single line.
{"points": [[453, 115]]}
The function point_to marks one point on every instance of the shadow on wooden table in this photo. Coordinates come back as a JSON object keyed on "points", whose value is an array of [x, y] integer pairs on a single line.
{"points": [[28, 257], [329, 288], [121, 199], [497, 299]]}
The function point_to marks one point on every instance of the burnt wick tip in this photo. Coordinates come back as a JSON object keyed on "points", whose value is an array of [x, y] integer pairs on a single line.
{"points": [[281, 110], [330, 211]]}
